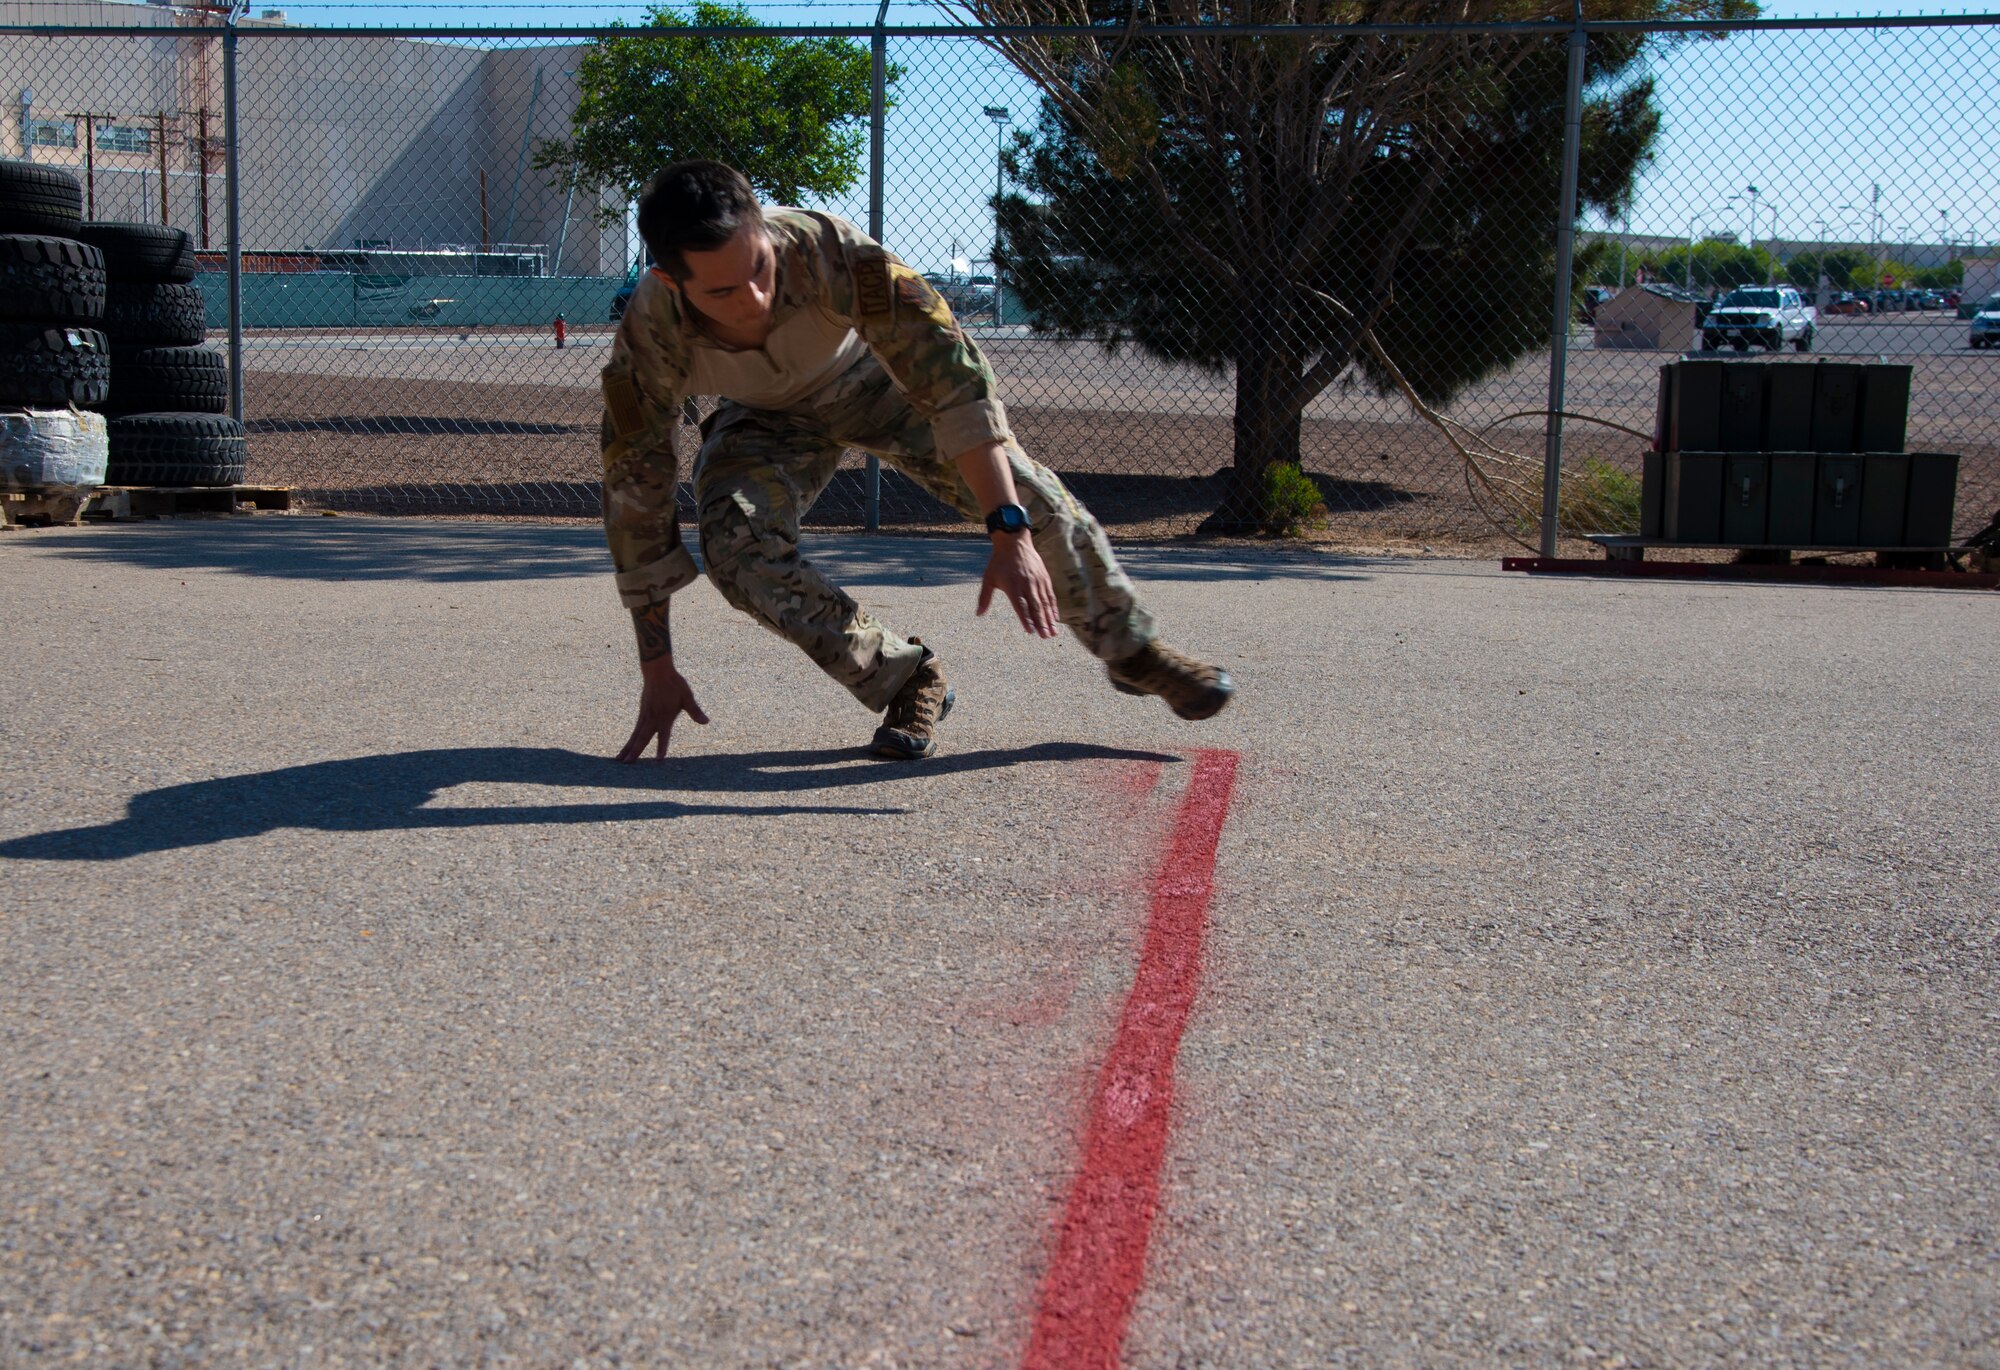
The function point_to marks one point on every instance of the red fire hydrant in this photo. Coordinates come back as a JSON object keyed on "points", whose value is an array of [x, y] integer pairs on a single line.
{"points": [[562, 331]]}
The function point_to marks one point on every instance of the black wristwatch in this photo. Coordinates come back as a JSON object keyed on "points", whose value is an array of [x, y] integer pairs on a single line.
{"points": [[1008, 518]]}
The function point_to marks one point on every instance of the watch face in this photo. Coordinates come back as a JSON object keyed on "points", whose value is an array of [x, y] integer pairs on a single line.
{"points": [[1009, 518]]}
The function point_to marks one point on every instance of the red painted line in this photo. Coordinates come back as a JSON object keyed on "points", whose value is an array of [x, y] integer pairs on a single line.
{"points": [[1100, 1257]]}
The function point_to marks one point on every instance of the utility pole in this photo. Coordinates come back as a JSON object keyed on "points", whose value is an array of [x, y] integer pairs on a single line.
{"points": [[1875, 233], [160, 123], [999, 115], [89, 164], [202, 136]]}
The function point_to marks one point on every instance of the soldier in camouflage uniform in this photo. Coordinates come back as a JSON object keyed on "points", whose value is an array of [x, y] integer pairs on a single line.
{"points": [[817, 339]]}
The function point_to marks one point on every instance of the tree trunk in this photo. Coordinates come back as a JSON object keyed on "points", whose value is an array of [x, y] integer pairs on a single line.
{"points": [[1266, 431]]}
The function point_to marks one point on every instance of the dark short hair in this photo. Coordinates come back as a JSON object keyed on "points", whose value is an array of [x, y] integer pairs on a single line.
{"points": [[694, 204]]}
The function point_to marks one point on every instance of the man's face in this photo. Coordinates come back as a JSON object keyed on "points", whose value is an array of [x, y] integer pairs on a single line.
{"points": [[733, 284]]}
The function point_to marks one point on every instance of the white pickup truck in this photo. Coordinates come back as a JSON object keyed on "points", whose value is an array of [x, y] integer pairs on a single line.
{"points": [[1767, 315]]}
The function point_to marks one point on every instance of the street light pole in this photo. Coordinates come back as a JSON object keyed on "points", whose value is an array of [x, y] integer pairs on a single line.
{"points": [[1819, 261], [999, 115], [1687, 274], [1875, 234]]}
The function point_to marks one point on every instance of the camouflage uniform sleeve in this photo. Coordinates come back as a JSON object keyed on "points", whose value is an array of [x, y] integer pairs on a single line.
{"points": [[910, 329], [643, 388]]}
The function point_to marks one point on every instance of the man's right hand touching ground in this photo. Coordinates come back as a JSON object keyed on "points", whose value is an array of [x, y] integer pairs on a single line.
{"points": [[666, 695]]}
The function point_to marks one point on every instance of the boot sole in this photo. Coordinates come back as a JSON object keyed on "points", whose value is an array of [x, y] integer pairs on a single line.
{"points": [[891, 744], [1210, 703]]}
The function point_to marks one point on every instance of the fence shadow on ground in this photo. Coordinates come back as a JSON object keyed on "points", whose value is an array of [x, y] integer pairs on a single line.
{"points": [[441, 551], [395, 425], [393, 792], [1176, 503], [334, 550]]}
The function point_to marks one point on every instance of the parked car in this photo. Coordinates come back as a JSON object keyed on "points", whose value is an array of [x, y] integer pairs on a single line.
{"points": [[623, 296], [1768, 316], [1846, 302], [966, 297], [1986, 323], [1951, 299]]}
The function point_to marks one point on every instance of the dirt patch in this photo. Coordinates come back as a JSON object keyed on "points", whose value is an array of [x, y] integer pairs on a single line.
{"points": [[472, 447]]}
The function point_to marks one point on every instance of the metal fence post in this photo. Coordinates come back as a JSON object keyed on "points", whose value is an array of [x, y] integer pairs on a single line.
{"points": [[1565, 257], [234, 173], [877, 119]]}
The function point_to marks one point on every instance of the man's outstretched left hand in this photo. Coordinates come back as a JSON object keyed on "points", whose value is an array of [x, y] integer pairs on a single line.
{"points": [[1015, 569]]}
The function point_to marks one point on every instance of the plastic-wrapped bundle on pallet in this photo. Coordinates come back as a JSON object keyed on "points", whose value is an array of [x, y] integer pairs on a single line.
{"points": [[43, 447]]}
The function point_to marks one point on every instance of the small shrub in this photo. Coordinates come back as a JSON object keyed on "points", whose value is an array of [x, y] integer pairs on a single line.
{"points": [[1292, 502], [1597, 497], [1600, 498]]}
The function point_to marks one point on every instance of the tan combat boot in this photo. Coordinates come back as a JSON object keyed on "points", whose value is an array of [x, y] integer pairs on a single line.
{"points": [[909, 728], [1192, 689]]}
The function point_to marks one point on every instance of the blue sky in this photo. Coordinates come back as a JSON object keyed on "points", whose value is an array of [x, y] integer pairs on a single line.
{"points": [[1815, 121]]}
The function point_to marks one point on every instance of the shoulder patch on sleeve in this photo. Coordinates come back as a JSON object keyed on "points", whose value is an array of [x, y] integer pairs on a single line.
{"points": [[874, 299], [621, 401]]}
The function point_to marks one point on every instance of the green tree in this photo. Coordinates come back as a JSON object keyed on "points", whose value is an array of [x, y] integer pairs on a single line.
{"points": [[1939, 277], [1259, 204], [1846, 268], [1713, 264], [789, 112]]}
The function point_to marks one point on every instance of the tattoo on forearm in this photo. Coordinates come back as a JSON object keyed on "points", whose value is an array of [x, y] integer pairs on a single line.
{"points": [[651, 626]]}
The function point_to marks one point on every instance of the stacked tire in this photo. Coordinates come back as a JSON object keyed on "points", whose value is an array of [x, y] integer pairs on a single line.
{"points": [[169, 392], [54, 359]]}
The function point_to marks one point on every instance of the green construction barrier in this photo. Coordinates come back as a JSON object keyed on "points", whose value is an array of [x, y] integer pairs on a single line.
{"points": [[339, 299]]}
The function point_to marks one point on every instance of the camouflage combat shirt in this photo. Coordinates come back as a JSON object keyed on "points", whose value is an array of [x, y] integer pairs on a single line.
{"points": [[838, 294]]}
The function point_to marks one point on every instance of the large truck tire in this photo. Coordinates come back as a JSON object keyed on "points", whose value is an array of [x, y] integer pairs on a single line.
{"points": [[142, 252], [175, 449], [155, 313], [160, 380], [40, 447], [50, 280], [53, 368], [39, 199]]}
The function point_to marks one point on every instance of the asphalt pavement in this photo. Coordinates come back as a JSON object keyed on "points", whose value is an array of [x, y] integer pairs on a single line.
{"points": [[1597, 973]]}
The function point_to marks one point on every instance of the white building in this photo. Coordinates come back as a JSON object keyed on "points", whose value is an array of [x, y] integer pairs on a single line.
{"points": [[346, 142]]}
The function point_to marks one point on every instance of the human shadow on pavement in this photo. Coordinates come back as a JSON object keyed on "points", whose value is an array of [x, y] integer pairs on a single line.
{"points": [[393, 792]]}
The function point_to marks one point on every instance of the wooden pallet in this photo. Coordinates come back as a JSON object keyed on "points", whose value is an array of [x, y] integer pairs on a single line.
{"points": [[1620, 547], [1718, 570], [65, 505]]}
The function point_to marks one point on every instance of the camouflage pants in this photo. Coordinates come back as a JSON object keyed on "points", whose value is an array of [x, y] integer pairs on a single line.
{"points": [[760, 470]]}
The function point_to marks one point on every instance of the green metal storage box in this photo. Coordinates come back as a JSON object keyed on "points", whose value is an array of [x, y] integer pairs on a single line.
{"points": [[1885, 498], [1746, 497], [1836, 402], [1837, 501], [1692, 509], [1794, 479]]}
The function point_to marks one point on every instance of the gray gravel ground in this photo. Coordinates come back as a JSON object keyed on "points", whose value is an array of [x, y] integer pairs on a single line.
{"points": [[1600, 973]]}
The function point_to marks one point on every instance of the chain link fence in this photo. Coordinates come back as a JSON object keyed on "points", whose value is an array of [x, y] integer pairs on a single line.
{"points": [[1205, 312]]}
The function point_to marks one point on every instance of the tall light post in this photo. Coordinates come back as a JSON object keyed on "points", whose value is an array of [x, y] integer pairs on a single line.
{"points": [[1751, 191], [1687, 273], [1874, 211], [1875, 229], [999, 115], [1819, 260]]}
